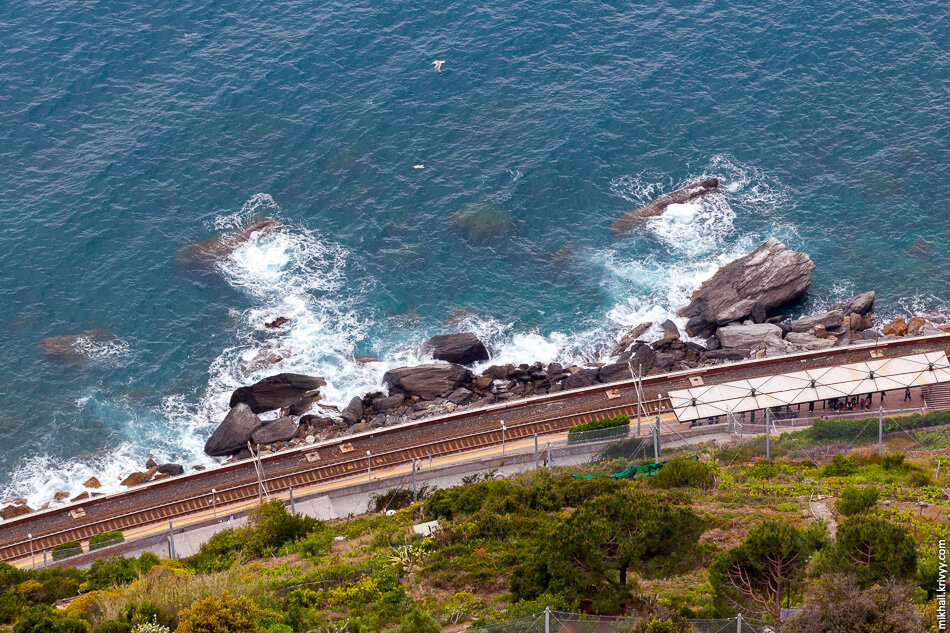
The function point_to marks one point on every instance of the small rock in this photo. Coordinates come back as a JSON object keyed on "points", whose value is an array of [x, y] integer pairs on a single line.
{"points": [[670, 331], [81, 496], [482, 382], [276, 323], [139, 478], [198, 467], [92, 482], [171, 470], [915, 324], [363, 360], [62, 495], [630, 337], [12, 511], [353, 412], [897, 327]]}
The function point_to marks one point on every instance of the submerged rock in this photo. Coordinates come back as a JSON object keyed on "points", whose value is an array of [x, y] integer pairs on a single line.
{"points": [[462, 349], [628, 221], [766, 278], [77, 349], [480, 221], [279, 391], [221, 246], [234, 431]]}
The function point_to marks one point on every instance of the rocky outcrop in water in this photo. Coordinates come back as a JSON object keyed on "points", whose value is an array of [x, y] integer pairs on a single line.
{"points": [[629, 221], [221, 246], [78, 349], [280, 391], [461, 349], [770, 276]]}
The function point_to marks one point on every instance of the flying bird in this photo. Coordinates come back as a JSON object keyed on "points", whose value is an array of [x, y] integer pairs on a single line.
{"points": [[438, 65]]}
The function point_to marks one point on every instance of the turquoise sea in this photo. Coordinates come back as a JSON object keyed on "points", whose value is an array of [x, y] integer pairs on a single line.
{"points": [[129, 130]]}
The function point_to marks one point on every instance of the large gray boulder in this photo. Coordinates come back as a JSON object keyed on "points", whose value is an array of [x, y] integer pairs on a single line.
{"points": [[746, 336], [614, 372], [353, 412], [279, 430], [462, 349], [234, 431], [427, 381], [277, 392], [582, 378], [862, 304], [809, 342], [641, 357], [831, 319], [768, 277]]}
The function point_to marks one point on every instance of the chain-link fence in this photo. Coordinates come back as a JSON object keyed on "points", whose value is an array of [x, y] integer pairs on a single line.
{"points": [[550, 621]]}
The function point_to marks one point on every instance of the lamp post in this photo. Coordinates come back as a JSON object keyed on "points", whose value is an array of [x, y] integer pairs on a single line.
{"points": [[214, 503], [369, 466], [29, 535], [503, 427]]}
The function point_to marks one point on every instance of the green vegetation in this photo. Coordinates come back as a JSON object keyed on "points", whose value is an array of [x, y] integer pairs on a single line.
{"points": [[65, 550], [105, 539], [715, 531], [599, 429]]}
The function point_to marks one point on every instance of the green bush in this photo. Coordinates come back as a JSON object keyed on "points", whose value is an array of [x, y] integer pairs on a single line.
{"points": [[866, 428], [117, 570], [271, 526], [43, 619], [105, 539], [417, 621], [681, 472], [854, 500], [608, 427], [65, 550], [894, 462], [841, 466], [144, 612]]}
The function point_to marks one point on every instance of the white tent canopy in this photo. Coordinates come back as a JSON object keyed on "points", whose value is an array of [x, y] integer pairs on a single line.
{"points": [[810, 385]]}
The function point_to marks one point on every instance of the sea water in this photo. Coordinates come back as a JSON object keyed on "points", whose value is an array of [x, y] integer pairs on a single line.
{"points": [[131, 130]]}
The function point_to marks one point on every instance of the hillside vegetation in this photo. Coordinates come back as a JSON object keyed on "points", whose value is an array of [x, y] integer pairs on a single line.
{"points": [[844, 536]]}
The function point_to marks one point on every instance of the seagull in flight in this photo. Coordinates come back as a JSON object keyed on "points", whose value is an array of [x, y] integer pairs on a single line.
{"points": [[438, 65]]}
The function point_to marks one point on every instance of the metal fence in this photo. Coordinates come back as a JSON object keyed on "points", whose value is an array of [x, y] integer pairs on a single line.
{"points": [[550, 621]]}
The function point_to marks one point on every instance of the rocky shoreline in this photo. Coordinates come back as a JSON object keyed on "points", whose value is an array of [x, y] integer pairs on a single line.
{"points": [[737, 314]]}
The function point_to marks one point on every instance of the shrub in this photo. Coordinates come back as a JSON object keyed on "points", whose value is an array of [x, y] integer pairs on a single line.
{"points": [[144, 612], [117, 570], [417, 621], [271, 526], [65, 550], [599, 429], [397, 498], [837, 603], [218, 614], [654, 625], [875, 549], [150, 627], [866, 428], [919, 478], [681, 472], [218, 552], [105, 539], [42, 619], [856, 500], [841, 466], [893, 462]]}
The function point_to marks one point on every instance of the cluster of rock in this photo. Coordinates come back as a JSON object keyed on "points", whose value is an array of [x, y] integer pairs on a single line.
{"points": [[737, 314]]}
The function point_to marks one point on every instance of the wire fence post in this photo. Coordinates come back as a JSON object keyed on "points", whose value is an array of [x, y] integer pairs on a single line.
{"points": [[171, 542], [548, 464], [293, 509], [547, 619], [44, 551], [415, 491], [656, 442], [880, 432], [739, 623], [768, 437], [536, 466]]}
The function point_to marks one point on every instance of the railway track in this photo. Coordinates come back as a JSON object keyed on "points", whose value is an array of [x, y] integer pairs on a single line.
{"points": [[343, 457]]}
